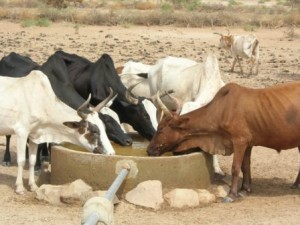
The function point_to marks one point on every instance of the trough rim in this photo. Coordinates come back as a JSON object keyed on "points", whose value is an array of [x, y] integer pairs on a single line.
{"points": [[59, 147]]}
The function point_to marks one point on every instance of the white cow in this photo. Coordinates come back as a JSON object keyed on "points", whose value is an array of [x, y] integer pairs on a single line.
{"points": [[30, 110], [191, 82], [245, 46]]}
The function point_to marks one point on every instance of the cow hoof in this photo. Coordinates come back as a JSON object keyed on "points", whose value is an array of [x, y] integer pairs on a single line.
{"points": [[6, 164], [218, 176], [45, 159], [33, 187], [242, 194], [20, 191], [295, 186], [227, 199]]}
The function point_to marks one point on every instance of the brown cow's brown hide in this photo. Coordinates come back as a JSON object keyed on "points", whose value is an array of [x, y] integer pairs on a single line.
{"points": [[211, 143]]}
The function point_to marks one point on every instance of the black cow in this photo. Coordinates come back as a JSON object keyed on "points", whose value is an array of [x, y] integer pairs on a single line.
{"points": [[95, 78], [56, 71]]}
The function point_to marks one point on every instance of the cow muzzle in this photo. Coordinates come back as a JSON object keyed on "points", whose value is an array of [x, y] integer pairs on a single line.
{"points": [[98, 150], [152, 152]]}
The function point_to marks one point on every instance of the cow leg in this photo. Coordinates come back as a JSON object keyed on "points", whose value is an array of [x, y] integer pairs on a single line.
{"points": [[217, 168], [21, 158], [296, 184], [256, 65], [239, 61], [7, 158], [32, 160], [246, 169], [238, 156], [233, 64]]}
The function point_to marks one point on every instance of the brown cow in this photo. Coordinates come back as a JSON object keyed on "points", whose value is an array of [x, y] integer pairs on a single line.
{"points": [[237, 119]]}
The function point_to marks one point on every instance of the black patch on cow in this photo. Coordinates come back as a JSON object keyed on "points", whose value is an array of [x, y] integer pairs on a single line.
{"points": [[143, 75]]}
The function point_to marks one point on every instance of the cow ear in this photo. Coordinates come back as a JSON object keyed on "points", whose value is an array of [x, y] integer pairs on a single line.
{"points": [[73, 125], [179, 123]]}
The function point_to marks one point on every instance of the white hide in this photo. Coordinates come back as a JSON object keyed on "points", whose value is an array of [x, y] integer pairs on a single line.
{"points": [[151, 110], [210, 84], [132, 67], [142, 89], [30, 109]]}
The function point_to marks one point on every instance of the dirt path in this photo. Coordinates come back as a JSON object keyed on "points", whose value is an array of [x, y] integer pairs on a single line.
{"points": [[272, 201]]}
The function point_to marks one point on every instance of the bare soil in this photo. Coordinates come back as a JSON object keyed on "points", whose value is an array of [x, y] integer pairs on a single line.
{"points": [[272, 201]]}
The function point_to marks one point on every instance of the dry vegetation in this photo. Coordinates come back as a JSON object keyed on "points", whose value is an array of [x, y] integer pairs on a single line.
{"points": [[181, 13]]}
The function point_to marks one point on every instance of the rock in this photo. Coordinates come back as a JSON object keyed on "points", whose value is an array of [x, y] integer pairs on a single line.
{"points": [[180, 198], [147, 194], [49, 193], [205, 197], [75, 192], [222, 191]]}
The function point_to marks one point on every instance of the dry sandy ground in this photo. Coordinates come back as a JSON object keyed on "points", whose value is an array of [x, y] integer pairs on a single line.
{"points": [[272, 201]]}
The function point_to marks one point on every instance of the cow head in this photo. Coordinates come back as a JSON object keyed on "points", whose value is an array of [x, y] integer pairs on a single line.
{"points": [[225, 40], [169, 135], [170, 132], [135, 115], [114, 131], [91, 129]]}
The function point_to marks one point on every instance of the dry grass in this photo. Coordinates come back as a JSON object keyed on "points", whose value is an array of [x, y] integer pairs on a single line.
{"points": [[177, 12]]}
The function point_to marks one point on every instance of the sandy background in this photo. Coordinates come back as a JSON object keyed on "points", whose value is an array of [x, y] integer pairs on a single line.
{"points": [[272, 201]]}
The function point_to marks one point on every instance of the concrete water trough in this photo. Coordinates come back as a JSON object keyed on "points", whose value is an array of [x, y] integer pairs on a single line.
{"points": [[99, 171]]}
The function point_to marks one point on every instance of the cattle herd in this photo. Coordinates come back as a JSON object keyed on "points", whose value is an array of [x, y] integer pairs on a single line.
{"points": [[177, 104]]}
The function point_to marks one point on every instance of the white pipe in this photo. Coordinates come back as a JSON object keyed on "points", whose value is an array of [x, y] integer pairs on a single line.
{"points": [[93, 218], [116, 184], [101, 209]]}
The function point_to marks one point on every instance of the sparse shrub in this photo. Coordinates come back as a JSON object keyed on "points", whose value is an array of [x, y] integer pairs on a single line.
{"points": [[43, 22], [2, 3], [232, 2], [144, 5], [28, 23], [192, 5], [4, 13], [167, 7], [249, 28]]}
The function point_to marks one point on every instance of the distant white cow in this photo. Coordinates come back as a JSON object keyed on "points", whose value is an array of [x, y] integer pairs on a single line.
{"points": [[30, 110], [245, 46]]}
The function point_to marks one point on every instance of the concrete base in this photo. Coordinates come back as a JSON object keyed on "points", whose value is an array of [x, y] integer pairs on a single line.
{"points": [[186, 171]]}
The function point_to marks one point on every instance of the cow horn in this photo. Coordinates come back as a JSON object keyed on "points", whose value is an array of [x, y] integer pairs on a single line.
{"points": [[153, 97], [83, 106], [162, 105], [131, 97], [218, 34], [105, 101], [177, 103], [228, 32]]}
